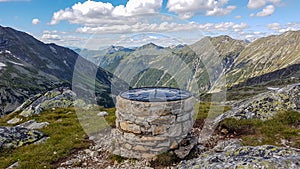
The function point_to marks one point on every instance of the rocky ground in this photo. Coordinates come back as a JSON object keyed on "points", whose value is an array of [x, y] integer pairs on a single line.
{"points": [[215, 153], [220, 150]]}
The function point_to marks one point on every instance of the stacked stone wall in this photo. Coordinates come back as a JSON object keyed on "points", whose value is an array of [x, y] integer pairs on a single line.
{"points": [[146, 129]]}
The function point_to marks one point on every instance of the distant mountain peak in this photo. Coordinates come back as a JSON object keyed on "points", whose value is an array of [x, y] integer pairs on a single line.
{"points": [[151, 45], [113, 49]]}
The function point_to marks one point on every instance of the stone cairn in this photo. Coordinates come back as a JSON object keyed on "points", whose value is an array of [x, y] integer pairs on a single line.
{"points": [[147, 128]]}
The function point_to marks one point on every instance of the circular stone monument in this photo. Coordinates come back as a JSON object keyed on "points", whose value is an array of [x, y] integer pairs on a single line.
{"points": [[152, 120]]}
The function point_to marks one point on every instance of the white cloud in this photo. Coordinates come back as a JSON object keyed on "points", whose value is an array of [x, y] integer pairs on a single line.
{"points": [[50, 37], [139, 27], [255, 4], [267, 5], [274, 26], [92, 12], [238, 17], [249, 37], [134, 7], [162, 27], [242, 25], [35, 21], [267, 11], [286, 29], [279, 28], [220, 11], [257, 33], [188, 8]]}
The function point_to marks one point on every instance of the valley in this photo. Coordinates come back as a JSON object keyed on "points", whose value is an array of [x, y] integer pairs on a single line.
{"points": [[57, 106]]}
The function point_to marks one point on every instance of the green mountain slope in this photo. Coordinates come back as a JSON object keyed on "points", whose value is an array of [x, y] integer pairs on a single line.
{"points": [[28, 67], [212, 64], [267, 55]]}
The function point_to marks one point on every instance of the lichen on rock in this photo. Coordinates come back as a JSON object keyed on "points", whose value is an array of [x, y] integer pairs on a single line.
{"points": [[18, 136], [56, 98], [266, 156]]}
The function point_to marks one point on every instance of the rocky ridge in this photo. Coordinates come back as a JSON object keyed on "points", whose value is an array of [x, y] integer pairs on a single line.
{"points": [[264, 106], [266, 55], [210, 60], [56, 98]]}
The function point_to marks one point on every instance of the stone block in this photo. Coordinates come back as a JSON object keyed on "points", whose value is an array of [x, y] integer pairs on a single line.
{"points": [[162, 120], [184, 117], [128, 146], [164, 144], [175, 105], [163, 112], [159, 130], [130, 136], [175, 130], [159, 150], [139, 148], [130, 127], [148, 156], [187, 126], [174, 145], [154, 138]]}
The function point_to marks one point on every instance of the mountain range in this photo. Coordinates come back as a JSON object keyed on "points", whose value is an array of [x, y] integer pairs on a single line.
{"points": [[213, 64]]}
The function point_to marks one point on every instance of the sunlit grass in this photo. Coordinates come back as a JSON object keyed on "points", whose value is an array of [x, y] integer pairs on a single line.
{"points": [[65, 135], [209, 110], [257, 132]]}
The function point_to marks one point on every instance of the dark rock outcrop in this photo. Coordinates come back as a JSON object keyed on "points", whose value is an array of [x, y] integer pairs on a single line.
{"points": [[18, 136]]}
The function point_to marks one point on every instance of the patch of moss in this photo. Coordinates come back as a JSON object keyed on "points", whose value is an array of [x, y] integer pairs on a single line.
{"points": [[117, 158], [165, 159], [65, 135], [254, 132], [210, 110]]}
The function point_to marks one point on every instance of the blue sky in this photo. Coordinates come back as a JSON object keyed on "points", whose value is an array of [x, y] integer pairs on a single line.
{"points": [[96, 24]]}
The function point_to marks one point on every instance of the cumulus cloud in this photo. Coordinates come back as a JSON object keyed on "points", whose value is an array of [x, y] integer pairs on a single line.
{"points": [[163, 27], [139, 27], [220, 11], [92, 12], [188, 8], [280, 28], [255, 4], [238, 17], [268, 6], [35, 21], [267, 11], [51, 37], [274, 26]]}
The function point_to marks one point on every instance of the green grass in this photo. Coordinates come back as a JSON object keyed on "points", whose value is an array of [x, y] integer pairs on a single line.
{"points": [[209, 110], [92, 123], [65, 136], [255, 132], [165, 159]]}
